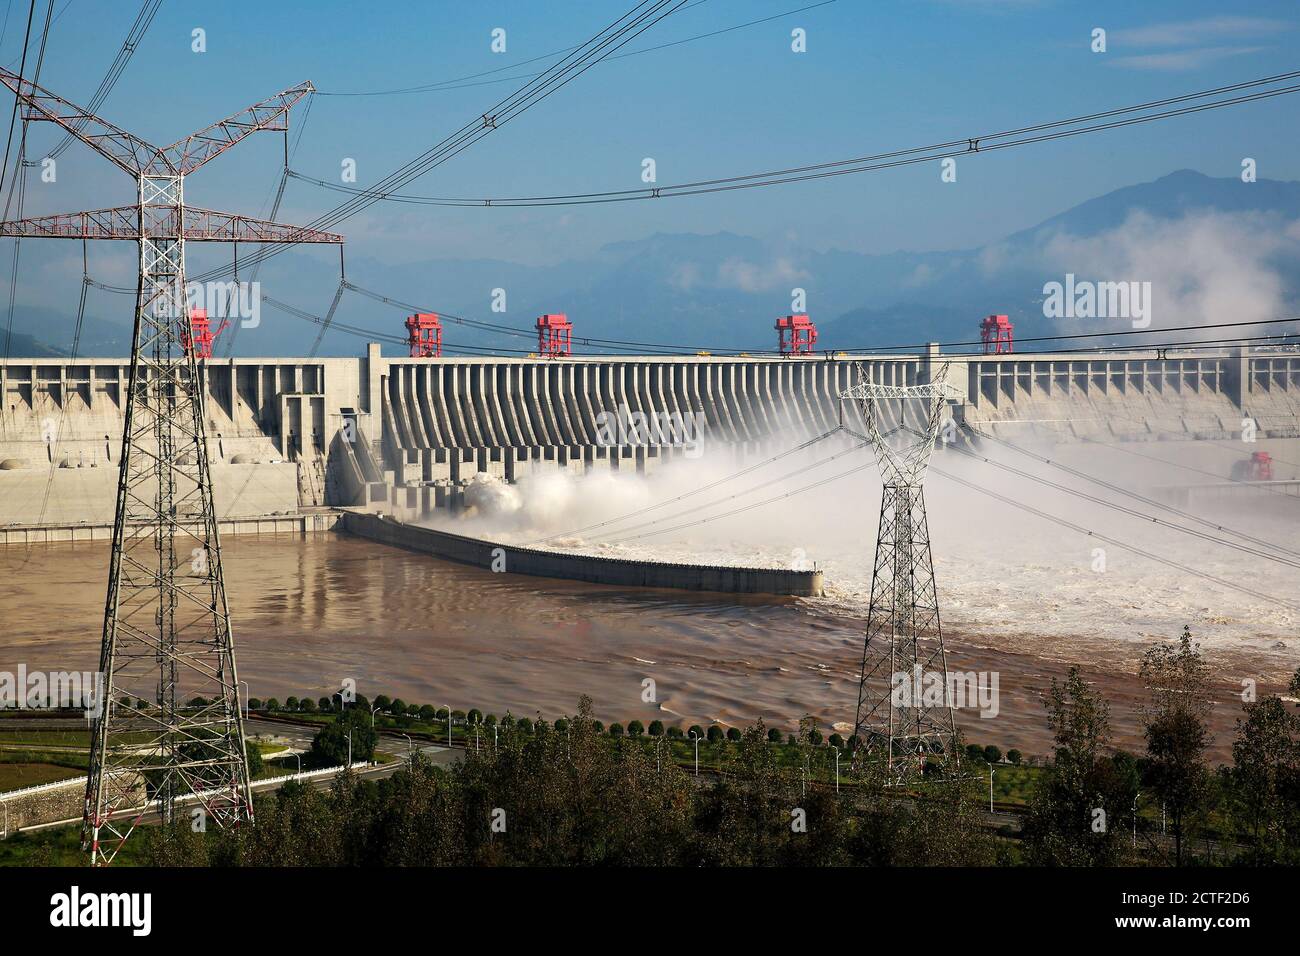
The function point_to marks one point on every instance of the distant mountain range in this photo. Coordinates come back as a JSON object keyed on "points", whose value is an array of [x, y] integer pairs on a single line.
{"points": [[1195, 237]]}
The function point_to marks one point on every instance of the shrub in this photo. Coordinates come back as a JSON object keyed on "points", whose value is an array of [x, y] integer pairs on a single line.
{"points": [[675, 732], [773, 735], [715, 733], [329, 748], [458, 715], [325, 704], [616, 730], [199, 702], [561, 724], [525, 725], [361, 703], [598, 726], [791, 740], [635, 728]]}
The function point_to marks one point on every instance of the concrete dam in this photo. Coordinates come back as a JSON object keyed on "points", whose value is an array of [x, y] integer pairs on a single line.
{"points": [[299, 436]]}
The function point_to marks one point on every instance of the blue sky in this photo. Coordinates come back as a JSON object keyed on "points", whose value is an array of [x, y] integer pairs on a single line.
{"points": [[876, 76]]}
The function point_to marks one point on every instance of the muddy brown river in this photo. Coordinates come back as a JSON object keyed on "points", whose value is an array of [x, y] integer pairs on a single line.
{"points": [[310, 612]]}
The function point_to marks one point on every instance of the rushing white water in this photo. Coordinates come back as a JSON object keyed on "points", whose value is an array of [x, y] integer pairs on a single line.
{"points": [[1010, 577]]}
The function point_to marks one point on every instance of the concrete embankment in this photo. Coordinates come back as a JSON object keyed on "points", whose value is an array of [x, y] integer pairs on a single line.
{"points": [[582, 567]]}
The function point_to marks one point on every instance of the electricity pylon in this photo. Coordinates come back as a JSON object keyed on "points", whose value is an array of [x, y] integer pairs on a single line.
{"points": [[898, 719], [167, 636]]}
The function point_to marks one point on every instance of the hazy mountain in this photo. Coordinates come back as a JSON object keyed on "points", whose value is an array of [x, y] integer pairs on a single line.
{"points": [[1194, 236]]}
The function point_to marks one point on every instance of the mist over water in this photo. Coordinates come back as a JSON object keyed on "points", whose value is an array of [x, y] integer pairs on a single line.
{"points": [[1006, 577]]}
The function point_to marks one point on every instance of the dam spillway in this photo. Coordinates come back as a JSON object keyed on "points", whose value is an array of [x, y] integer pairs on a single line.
{"points": [[405, 435]]}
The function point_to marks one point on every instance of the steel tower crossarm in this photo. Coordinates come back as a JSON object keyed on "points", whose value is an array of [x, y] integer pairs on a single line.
{"points": [[188, 154], [140, 158], [159, 222]]}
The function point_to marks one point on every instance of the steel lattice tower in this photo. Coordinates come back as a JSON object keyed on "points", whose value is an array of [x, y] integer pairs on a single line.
{"points": [[167, 635], [904, 641]]}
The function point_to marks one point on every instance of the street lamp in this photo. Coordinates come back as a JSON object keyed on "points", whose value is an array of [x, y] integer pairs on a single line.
{"points": [[410, 747], [372, 716], [1135, 818], [991, 772], [448, 709], [696, 737], [244, 684], [837, 768], [298, 757]]}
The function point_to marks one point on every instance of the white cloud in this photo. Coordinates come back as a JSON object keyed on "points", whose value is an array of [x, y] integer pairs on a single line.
{"points": [[1179, 60], [747, 276], [1191, 32], [1203, 268]]}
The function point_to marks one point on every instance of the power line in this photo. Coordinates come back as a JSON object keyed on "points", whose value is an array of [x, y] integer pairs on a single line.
{"points": [[1056, 129], [1110, 486], [1113, 541], [142, 21], [623, 536], [460, 83], [693, 492], [626, 28], [1131, 512]]}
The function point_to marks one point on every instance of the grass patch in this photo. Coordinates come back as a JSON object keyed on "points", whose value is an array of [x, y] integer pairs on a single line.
{"points": [[15, 775]]}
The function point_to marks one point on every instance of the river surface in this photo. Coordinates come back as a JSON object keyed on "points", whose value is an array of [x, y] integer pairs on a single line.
{"points": [[311, 612]]}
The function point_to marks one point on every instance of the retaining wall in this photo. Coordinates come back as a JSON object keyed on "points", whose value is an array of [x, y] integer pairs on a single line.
{"points": [[578, 567]]}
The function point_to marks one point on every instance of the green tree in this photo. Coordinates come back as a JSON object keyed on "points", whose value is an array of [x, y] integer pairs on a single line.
{"points": [[635, 728], [1177, 732], [992, 754], [715, 733], [1074, 814], [291, 703], [329, 748], [1264, 782], [1014, 756], [307, 705], [734, 734], [656, 728], [773, 736], [695, 730], [272, 704], [616, 730]]}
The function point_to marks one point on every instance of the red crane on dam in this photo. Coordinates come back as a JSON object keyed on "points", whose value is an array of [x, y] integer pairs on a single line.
{"points": [[554, 335], [199, 337], [795, 335], [424, 335], [996, 334]]}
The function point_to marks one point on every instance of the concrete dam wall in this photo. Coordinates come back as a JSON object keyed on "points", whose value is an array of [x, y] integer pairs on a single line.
{"points": [[579, 567], [404, 435]]}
